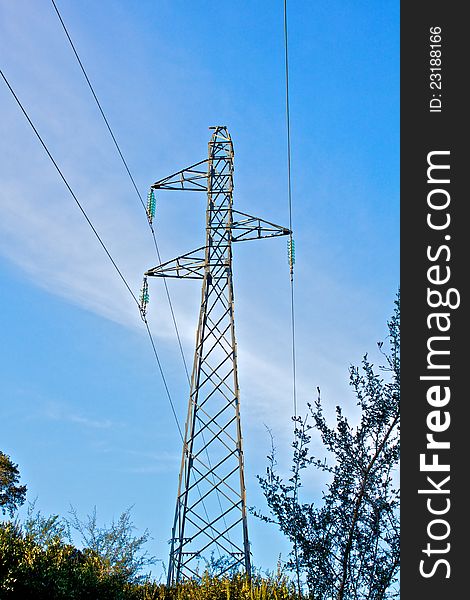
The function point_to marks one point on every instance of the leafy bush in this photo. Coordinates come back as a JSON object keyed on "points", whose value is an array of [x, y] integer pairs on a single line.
{"points": [[37, 562], [38, 559]]}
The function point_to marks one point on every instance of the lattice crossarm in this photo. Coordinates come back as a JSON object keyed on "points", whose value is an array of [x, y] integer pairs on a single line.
{"points": [[188, 266], [248, 227], [192, 179]]}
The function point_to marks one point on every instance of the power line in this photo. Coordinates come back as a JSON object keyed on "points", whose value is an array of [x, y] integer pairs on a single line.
{"points": [[289, 194], [126, 166], [291, 261], [98, 103], [103, 245], [69, 188], [286, 61], [163, 377]]}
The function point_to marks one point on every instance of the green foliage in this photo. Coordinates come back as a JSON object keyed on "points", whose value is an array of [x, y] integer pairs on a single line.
{"points": [[50, 569], [38, 565], [38, 559], [117, 543], [12, 495], [348, 546], [39, 562]]}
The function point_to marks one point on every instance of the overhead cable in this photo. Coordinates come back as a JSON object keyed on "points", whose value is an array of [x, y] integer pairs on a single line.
{"points": [[291, 253], [126, 166], [98, 237]]}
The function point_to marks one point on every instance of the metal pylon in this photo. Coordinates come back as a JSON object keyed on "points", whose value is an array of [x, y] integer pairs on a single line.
{"points": [[210, 517]]}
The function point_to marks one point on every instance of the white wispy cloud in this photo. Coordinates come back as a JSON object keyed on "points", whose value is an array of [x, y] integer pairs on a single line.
{"points": [[162, 462], [58, 412]]}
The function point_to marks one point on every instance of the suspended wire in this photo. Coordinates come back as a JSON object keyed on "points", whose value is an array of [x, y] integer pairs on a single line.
{"points": [[289, 195], [286, 62], [97, 101], [103, 245], [69, 188], [126, 166], [180, 345], [170, 304], [291, 248], [161, 373]]}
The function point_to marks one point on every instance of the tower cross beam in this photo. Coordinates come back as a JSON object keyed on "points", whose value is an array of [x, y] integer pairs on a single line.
{"points": [[186, 179]]}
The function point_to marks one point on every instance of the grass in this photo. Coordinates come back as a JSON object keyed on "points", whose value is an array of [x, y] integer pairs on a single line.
{"points": [[236, 587]]}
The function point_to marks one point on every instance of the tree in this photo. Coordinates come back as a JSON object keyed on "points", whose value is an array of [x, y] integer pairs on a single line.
{"points": [[12, 496], [348, 545]]}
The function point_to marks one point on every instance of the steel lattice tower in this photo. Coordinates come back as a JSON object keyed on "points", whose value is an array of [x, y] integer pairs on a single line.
{"points": [[210, 514]]}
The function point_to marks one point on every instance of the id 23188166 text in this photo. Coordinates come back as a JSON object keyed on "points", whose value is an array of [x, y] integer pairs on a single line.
{"points": [[435, 69]]}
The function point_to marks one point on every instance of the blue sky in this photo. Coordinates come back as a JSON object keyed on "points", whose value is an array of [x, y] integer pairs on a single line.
{"points": [[84, 411]]}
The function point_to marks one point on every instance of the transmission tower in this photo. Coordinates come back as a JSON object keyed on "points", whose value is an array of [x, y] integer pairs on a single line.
{"points": [[210, 517]]}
